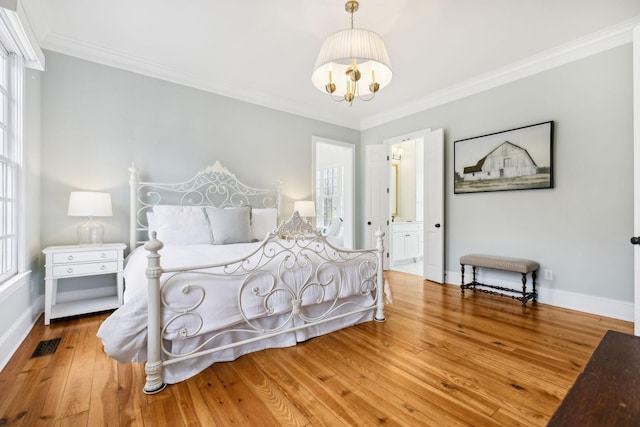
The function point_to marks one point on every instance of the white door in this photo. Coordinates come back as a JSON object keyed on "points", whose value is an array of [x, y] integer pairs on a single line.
{"points": [[434, 206], [376, 197], [636, 175]]}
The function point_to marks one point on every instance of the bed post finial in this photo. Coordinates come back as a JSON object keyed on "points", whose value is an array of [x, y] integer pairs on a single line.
{"points": [[379, 316]]}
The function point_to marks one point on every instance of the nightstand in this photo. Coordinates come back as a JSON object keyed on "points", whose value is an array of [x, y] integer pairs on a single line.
{"points": [[81, 261]]}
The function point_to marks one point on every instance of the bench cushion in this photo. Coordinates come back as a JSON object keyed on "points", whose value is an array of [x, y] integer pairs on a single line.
{"points": [[500, 263]]}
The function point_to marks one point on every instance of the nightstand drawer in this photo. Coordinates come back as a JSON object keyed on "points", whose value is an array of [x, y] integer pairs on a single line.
{"points": [[85, 269], [86, 256]]}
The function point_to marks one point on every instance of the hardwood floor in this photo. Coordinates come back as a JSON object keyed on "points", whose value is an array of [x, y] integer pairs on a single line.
{"points": [[440, 359]]}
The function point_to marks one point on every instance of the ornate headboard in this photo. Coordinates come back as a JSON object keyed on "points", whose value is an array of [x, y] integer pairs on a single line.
{"points": [[213, 186]]}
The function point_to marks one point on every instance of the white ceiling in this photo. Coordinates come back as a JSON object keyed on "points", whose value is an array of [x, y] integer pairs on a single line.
{"points": [[263, 51]]}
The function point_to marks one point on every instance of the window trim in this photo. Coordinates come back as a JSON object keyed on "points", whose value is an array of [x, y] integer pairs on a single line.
{"points": [[15, 133], [21, 50]]}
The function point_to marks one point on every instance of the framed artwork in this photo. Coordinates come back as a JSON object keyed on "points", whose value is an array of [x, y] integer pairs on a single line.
{"points": [[515, 159]]}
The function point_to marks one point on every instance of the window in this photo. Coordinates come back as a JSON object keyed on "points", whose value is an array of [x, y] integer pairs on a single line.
{"points": [[18, 49], [10, 164], [328, 190]]}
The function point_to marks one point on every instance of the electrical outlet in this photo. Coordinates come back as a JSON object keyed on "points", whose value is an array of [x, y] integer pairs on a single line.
{"points": [[548, 274]]}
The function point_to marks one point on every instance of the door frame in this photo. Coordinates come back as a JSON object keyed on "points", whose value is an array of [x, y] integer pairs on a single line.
{"points": [[424, 135], [636, 175], [389, 143], [349, 229]]}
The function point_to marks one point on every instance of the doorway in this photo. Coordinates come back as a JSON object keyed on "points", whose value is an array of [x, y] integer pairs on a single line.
{"points": [[378, 171], [407, 206], [334, 190]]}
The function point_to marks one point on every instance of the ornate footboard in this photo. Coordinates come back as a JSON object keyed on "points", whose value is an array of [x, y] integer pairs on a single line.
{"points": [[293, 281]]}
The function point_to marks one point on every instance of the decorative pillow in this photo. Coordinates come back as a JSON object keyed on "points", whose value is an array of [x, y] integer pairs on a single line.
{"points": [[263, 221], [182, 225], [230, 225]]}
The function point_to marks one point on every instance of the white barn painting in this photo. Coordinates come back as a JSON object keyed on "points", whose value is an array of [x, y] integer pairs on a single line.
{"points": [[505, 161], [516, 159]]}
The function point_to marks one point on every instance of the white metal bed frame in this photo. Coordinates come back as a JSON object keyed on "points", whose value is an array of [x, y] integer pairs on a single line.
{"points": [[302, 257], [213, 186]]}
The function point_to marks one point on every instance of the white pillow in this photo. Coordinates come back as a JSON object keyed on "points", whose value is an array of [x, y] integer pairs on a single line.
{"points": [[263, 221], [230, 225], [182, 225]]}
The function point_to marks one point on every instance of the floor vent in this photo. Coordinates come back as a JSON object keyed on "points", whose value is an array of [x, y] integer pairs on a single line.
{"points": [[46, 348]]}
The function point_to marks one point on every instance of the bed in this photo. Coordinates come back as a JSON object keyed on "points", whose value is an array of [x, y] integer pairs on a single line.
{"points": [[214, 274]]}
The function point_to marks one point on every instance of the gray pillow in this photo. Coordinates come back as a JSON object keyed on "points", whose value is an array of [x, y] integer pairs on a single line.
{"points": [[230, 225]]}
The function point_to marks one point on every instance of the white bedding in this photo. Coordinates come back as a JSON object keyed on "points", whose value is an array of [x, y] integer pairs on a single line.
{"points": [[124, 332]]}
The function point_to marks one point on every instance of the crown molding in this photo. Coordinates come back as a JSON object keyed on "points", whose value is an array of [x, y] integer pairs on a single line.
{"points": [[114, 58], [598, 42], [609, 38], [17, 35]]}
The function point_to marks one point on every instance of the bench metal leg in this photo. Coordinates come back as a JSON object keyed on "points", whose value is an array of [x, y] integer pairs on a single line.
{"points": [[462, 278], [524, 289], [535, 293]]}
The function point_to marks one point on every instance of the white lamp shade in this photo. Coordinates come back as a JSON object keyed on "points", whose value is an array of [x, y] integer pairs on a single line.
{"points": [[306, 208], [89, 203], [335, 56]]}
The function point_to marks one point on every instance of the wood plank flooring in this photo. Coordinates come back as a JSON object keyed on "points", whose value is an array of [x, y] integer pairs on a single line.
{"points": [[439, 360]]}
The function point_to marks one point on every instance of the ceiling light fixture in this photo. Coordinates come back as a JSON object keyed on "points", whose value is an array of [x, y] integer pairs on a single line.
{"points": [[352, 63]]}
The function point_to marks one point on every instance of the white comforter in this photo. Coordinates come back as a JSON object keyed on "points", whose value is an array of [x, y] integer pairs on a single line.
{"points": [[124, 332]]}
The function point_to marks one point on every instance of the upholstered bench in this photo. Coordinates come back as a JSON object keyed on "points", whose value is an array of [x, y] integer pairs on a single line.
{"points": [[516, 265]]}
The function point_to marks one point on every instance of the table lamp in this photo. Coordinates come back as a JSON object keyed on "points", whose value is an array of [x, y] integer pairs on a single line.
{"points": [[90, 204]]}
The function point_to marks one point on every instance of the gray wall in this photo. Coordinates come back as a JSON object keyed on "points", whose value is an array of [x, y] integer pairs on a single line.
{"points": [[581, 228], [97, 120]]}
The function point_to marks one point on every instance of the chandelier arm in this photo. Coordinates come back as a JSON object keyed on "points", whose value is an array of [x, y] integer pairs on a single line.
{"points": [[362, 98]]}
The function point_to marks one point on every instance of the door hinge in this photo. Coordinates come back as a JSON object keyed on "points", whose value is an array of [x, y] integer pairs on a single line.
{"points": [[387, 190], [387, 254], [387, 157]]}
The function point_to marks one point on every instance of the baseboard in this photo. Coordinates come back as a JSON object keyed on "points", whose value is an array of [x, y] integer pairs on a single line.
{"points": [[12, 338], [616, 309]]}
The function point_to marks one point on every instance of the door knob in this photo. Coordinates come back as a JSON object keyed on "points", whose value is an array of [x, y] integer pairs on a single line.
{"points": [[368, 222], [635, 240], [438, 225]]}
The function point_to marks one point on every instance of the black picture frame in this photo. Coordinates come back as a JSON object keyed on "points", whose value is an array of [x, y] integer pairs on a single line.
{"points": [[514, 159]]}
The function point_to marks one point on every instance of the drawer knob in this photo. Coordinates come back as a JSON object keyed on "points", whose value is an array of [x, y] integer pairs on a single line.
{"points": [[103, 267], [103, 255], [70, 257], [69, 270]]}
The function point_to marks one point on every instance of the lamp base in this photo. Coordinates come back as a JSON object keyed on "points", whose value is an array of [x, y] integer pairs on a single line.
{"points": [[90, 233]]}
